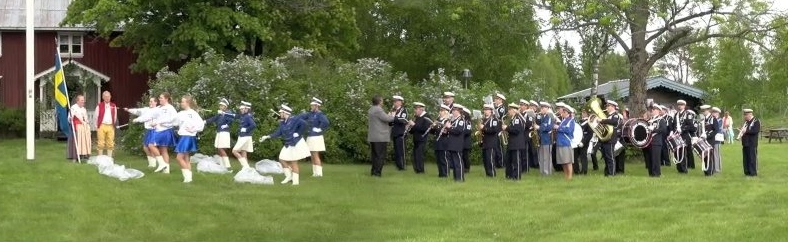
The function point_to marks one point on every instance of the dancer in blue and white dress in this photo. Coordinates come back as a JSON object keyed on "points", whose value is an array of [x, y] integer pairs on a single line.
{"points": [[143, 116], [223, 119], [189, 124], [318, 122], [244, 144], [163, 135], [295, 147]]}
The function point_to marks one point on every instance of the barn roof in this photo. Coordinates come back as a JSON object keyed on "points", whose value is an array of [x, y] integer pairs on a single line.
{"points": [[48, 15], [622, 86]]}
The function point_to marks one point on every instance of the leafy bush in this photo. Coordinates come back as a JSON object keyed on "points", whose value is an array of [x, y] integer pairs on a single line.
{"points": [[13, 122]]}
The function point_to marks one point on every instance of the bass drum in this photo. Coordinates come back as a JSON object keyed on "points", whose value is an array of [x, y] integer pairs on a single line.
{"points": [[636, 133]]}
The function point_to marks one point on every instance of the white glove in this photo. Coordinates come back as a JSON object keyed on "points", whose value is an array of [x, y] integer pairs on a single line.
{"points": [[220, 112], [243, 130], [224, 126], [580, 145], [264, 138], [295, 135], [703, 136], [594, 139], [317, 130]]}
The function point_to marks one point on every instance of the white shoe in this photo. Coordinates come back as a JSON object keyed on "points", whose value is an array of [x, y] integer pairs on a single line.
{"points": [[295, 179], [187, 175], [314, 170], [288, 176], [163, 167], [151, 162], [226, 161], [319, 171]]}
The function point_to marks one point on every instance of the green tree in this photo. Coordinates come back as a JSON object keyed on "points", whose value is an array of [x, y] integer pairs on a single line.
{"points": [[494, 39], [678, 23], [164, 31], [776, 75], [732, 70]]}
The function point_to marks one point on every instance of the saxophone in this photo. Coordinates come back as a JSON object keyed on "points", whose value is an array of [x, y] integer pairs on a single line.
{"points": [[603, 132]]}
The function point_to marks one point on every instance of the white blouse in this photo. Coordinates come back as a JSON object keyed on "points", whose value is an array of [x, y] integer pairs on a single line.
{"points": [[189, 123], [79, 112], [144, 115]]}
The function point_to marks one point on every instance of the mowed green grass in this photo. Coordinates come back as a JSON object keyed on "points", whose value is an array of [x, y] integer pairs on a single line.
{"points": [[52, 200]]}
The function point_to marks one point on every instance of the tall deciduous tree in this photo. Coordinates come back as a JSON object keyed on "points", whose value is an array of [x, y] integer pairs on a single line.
{"points": [[494, 39], [678, 22], [161, 31]]}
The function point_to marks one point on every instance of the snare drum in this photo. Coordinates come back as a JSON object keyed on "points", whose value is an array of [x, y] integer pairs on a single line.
{"points": [[701, 146], [675, 141], [635, 132]]}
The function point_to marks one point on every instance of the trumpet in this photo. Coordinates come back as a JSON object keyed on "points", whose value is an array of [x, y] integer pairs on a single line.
{"points": [[742, 130]]}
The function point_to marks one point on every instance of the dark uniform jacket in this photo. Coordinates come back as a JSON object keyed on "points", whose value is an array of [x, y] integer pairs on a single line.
{"points": [[399, 123], [750, 136], [455, 140], [492, 126], [517, 134], [421, 125]]}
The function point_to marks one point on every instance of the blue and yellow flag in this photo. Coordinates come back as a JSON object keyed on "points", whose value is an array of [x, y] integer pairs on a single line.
{"points": [[62, 104]]}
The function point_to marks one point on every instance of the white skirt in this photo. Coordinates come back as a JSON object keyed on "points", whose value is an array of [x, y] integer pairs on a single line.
{"points": [[244, 143], [316, 143], [222, 140], [295, 153]]}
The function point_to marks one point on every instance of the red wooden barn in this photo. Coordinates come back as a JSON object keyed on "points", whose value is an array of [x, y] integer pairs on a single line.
{"points": [[90, 64]]}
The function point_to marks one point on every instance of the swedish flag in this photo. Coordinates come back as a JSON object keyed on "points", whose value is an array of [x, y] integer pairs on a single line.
{"points": [[62, 103]]}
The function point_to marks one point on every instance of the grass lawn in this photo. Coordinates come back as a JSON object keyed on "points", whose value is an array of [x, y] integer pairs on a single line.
{"points": [[52, 200]]}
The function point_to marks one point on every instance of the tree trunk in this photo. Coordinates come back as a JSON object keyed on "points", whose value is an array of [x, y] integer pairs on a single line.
{"points": [[637, 88], [595, 76]]}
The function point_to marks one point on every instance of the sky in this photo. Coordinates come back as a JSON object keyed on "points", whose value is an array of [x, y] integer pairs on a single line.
{"points": [[574, 40]]}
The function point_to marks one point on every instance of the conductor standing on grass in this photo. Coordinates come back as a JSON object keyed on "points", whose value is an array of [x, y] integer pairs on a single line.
{"points": [[378, 134]]}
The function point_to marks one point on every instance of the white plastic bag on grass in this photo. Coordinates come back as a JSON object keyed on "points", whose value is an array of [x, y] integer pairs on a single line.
{"points": [[106, 166], [212, 166], [268, 167], [197, 158], [250, 175], [100, 160]]}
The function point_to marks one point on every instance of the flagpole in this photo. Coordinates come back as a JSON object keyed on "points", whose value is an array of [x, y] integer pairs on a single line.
{"points": [[29, 79]]}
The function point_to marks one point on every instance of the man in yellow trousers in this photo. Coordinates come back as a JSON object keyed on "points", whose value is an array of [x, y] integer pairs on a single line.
{"points": [[106, 121]]}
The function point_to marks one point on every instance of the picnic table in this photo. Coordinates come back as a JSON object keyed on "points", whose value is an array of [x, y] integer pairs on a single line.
{"points": [[778, 134]]}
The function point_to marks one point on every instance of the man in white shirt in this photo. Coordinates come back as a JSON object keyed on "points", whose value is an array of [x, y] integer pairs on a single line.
{"points": [[106, 120]]}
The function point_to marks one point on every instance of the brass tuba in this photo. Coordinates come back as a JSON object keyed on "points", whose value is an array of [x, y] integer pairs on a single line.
{"points": [[603, 131]]}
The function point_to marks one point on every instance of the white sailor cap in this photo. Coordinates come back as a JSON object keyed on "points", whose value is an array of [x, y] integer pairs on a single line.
{"points": [[534, 103], [656, 106], [545, 104], [715, 110], [398, 97], [458, 106], [223, 101], [570, 109], [498, 95], [664, 108], [444, 107], [488, 106], [681, 102], [747, 110], [448, 94], [316, 101], [245, 104], [524, 102], [705, 106], [418, 104], [514, 106], [692, 112], [465, 110], [285, 109], [560, 105], [611, 102]]}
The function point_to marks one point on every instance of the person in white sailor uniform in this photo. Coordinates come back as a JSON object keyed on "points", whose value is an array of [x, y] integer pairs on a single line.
{"points": [[500, 112], [295, 148], [318, 123], [490, 128], [143, 116], [163, 136], [455, 138], [223, 119], [749, 143], [398, 131], [189, 124], [244, 144]]}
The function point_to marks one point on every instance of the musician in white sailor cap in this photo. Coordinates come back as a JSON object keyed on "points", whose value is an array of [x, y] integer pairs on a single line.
{"points": [[244, 144], [489, 129], [533, 148], [683, 122], [398, 131], [545, 141], [419, 129], [718, 139], [295, 148], [608, 147], [143, 116], [468, 141], [710, 130], [223, 119], [448, 99], [665, 114], [189, 124], [318, 122], [749, 142], [500, 112], [565, 131]]}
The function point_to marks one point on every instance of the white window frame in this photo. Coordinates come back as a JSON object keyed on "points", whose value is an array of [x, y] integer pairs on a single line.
{"points": [[70, 43]]}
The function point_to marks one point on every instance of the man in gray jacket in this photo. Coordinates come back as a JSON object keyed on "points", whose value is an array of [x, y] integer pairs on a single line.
{"points": [[378, 133]]}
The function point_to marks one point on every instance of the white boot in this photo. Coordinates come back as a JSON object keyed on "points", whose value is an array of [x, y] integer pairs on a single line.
{"points": [[151, 162], [187, 175], [314, 170], [226, 161], [319, 172], [109, 153], [288, 175], [244, 163], [163, 167], [295, 179]]}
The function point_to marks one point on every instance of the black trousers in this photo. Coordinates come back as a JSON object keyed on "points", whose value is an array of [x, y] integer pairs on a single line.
{"points": [[647, 158], [655, 154], [681, 167], [607, 155], [418, 156], [466, 160], [533, 156], [620, 159], [525, 157], [456, 159], [594, 159], [514, 165], [709, 162], [399, 152], [499, 157], [378, 153], [665, 153], [688, 153], [750, 161], [443, 164], [488, 160], [580, 164]]}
